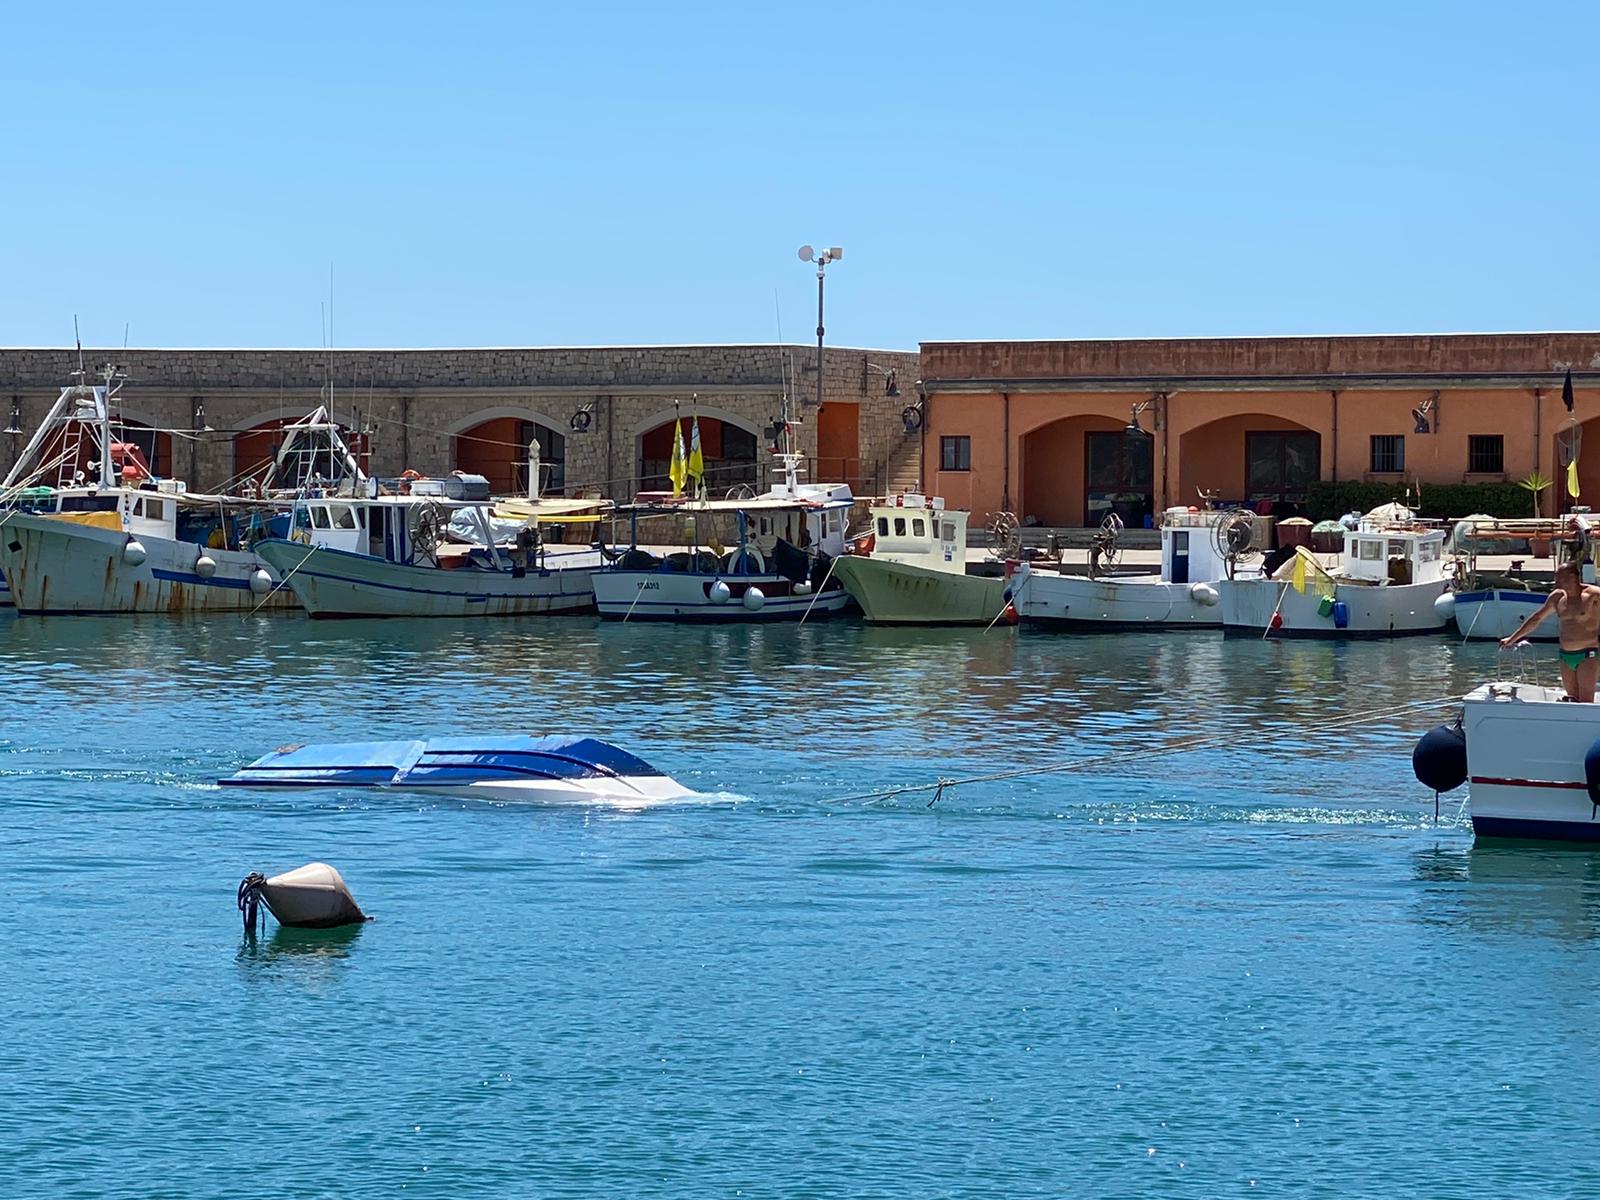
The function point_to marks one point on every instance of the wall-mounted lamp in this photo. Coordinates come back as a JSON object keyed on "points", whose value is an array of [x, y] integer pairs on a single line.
{"points": [[1420, 415], [891, 378], [582, 419], [1133, 428], [912, 415], [15, 427]]}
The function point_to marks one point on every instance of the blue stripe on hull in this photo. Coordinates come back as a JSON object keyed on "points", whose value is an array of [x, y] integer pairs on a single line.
{"points": [[1587, 832], [193, 580]]}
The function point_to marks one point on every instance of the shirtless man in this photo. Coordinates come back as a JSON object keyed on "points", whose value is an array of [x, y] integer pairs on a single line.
{"points": [[1577, 606]]}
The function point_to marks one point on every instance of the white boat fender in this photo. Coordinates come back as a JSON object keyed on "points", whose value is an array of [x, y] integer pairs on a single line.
{"points": [[719, 593], [803, 588], [314, 896], [1204, 595], [1445, 606], [134, 552], [1439, 759], [260, 581], [754, 598], [205, 566]]}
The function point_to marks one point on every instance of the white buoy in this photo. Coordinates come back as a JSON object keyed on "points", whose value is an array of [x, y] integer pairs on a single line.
{"points": [[1204, 595], [720, 593], [314, 896], [1445, 606], [803, 588], [754, 598], [134, 552], [260, 581], [205, 566]]}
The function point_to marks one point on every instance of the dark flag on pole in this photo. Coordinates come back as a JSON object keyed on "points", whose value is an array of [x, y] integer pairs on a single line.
{"points": [[1566, 390]]}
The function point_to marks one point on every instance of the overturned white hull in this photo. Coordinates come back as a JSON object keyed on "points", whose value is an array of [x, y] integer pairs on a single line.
{"points": [[1273, 608], [57, 566], [338, 583], [684, 596], [1049, 598]]}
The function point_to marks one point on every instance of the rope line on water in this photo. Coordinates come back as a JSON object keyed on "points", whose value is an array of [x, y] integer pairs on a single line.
{"points": [[939, 786]]}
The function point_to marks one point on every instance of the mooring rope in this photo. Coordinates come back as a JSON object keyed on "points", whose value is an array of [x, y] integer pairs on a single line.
{"points": [[832, 562], [250, 900], [281, 584], [1200, 741]]}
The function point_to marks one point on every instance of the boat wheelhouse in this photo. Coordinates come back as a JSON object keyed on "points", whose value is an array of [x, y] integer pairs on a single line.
{"points": [[911, 567]]}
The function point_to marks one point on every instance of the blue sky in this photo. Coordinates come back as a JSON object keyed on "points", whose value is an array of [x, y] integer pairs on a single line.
{"points": [[597, 174]]}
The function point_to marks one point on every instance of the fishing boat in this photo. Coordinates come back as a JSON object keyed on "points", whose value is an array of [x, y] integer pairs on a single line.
{"points": [[1530, 760], [785, 545], [1195, 554], [1393, 571], [514, 768], [91, 529], [1489, 605], [910, 568]]}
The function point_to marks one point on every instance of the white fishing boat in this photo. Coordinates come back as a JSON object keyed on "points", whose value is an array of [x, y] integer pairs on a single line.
{"points": [[911, 567], [1486, 605], [1530, 760], [784, 546], [1393, 571], [1195, 554], [90, 529]]}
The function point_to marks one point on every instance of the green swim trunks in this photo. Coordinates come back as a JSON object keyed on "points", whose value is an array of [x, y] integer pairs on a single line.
{"points": [[1576, 658]]}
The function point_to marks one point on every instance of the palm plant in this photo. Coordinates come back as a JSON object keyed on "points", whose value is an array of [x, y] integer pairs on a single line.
{"points": [[1535, 482]]}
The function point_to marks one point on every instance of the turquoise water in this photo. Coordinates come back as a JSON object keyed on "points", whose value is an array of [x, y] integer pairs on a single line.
{"points": [[1256, 968]]}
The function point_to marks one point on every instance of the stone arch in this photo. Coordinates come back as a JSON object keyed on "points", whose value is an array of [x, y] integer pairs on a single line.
{"points": [[128, 425], [257, 439], [1247, 458], [1076, 469], [493, 442], [730, 444]]}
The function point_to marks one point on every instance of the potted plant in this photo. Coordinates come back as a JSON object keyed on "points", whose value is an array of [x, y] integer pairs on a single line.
{"points": [[1536, 482]]}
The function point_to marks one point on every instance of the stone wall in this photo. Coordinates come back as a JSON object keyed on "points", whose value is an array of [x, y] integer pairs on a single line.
{"points": [[417, 400]]}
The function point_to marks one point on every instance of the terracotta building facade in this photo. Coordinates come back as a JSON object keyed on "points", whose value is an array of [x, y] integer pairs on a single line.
{"points": [[1067, 431]]}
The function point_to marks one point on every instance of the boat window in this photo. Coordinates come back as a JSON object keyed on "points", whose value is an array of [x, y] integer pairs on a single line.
{"points": [[883, 526], [1428, 551], [1369, 549], [88, 504], [899, 527], [918, 527], [319, 516], [764, 525], [949, 531], [343, 518], [1180, 542], [153, 509]]}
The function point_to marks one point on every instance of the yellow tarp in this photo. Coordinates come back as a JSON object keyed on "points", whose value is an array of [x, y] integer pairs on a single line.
{"points": [[1303, 567], [98, 520]]}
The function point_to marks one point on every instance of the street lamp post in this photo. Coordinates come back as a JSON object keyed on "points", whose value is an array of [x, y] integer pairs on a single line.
{"points": [[822, 258]]}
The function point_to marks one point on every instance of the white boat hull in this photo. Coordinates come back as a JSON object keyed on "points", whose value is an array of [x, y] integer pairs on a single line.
{"points": [[892, 593], [56, 566], [337, 583], [1048, 598], [682, 596], [1525, 763], [1495, 613], [1375, 610]]}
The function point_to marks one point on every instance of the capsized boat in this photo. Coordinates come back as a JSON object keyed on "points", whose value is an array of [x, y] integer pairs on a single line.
{"points": [[911, 567], [491, 767], [1196, 552], [1485, 605], [1530, 760], [88, 528], [785, 544], [1392, 572]]}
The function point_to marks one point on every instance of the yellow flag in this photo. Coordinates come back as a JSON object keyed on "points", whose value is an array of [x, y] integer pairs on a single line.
{"points": [[697, 462], [676, 470], [1299, 579], [1572, 479]]}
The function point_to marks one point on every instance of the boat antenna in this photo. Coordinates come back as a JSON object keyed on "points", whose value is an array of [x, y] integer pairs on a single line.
{"points": [[82, 373]]}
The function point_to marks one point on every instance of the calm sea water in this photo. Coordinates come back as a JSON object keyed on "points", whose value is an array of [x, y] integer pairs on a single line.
{"points": [[1256, 968]]}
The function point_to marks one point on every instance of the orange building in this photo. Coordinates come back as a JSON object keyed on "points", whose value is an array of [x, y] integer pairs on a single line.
{"points": [[1043, 429]]}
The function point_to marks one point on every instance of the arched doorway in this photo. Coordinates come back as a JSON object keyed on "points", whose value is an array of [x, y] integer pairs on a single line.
{"points": [[1078, 469], [496, 447], [729, 451], [256, 448], [1248, 461]]}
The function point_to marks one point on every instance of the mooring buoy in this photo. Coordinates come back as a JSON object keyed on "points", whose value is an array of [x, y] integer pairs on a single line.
{"points": [[314, 896]]}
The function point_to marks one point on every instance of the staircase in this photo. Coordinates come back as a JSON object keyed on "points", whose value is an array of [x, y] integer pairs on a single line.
{"points": [[900, 473]]}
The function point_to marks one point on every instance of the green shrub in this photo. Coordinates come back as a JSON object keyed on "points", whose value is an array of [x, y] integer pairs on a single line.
{"points": [[1328, 501]]}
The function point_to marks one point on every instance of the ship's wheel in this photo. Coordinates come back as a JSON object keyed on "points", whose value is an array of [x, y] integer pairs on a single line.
{"points": [[1104, 553], [1234, 536], [428, 531], [1005, 535]]}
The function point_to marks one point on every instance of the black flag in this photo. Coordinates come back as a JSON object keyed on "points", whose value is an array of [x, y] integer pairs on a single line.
{"points": [[1566, 390]]}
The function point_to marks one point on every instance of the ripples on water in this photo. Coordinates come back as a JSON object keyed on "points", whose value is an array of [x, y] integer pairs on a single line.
{"points": [[1257, 967]]}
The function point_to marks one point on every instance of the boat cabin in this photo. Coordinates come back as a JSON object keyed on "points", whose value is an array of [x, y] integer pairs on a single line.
{"points": [[407, 530], [919, 531], [1399, 555], [1189, 550]]}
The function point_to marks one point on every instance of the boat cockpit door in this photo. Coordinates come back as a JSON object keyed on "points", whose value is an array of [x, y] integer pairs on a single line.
{"points": [[1178, 556]]}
